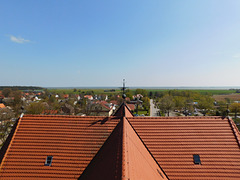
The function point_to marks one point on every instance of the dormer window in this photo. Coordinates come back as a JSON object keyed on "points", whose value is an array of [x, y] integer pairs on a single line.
{"points": [[48, 161]]}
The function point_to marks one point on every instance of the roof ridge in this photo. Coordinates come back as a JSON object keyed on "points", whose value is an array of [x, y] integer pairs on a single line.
{"points": [[5, 148], [123, 111], [235, 131]]}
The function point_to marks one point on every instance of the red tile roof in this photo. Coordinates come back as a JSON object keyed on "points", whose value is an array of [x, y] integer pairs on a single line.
{"points": [[114, 102], [105, 104], [72, 141], [50, 112], [123, 111], [138, 163], [173, 141], [107, 164], [2, 105], [123, 156], [66, 96], [131, 106], [121, 147], [88, 97]]}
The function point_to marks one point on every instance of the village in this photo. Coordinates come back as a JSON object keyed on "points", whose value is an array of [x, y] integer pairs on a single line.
{"points": [[14, 102], [141, 102]]}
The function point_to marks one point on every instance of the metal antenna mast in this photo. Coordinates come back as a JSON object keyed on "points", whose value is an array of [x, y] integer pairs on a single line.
{"points": [[123, 89]]}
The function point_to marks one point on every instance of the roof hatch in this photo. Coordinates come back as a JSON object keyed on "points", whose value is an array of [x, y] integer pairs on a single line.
{"points": [[196, 159], [48, 161]]}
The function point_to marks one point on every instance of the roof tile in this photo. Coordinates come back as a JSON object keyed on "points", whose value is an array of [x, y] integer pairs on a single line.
{"points": [[174, 140], [72, 141]]}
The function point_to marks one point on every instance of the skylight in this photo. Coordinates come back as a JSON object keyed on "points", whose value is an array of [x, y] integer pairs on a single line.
{"points": [[196, 159], [48, 161]]}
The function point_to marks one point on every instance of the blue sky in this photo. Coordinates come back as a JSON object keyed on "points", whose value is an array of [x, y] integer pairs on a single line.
{"points": [[55, 43]]}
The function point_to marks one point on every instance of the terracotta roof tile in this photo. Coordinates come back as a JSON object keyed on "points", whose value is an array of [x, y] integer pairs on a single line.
{"points": [[123, 156], [107, 164], [138, 163], [120, 148], [131, 106], [173, 141], [72, 141]]}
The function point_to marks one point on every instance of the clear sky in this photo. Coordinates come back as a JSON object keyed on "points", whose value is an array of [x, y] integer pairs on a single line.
{"points": [[54, 43]]}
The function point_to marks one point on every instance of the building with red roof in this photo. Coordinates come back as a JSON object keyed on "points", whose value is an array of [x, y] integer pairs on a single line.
{"points": [[2, 105], [90, 97], [121, 147], [131, 106]]}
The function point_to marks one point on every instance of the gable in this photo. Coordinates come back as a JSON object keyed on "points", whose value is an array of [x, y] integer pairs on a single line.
{"points": [[123, 111], [123, 156]]}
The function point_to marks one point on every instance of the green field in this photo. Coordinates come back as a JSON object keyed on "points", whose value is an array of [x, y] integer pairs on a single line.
{"points": [[78, 91], [118, 91], [201, 91]]}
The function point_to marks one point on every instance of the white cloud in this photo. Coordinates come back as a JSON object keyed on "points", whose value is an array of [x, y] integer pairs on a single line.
{"points": [[19, 39], [236, 55]]}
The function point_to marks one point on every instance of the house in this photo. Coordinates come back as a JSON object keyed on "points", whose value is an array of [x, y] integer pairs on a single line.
{"points": [[36, 98], [131, 106], [66, 96], [101, 108], [50, 112], [138, 96], [90, 97], [78, 97], [121, 147], [2, 105], [67, 109]]}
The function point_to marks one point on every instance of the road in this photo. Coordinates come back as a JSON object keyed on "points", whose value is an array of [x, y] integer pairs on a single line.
{"points": [[153, 110]]}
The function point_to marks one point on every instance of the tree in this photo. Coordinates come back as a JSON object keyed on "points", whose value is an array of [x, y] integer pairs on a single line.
{"points": [[17, 97], [179, 102], [235, 107], [188, 105], [129, 94], [150, 94], [159, 94], [35, 108], [5, 123], [166, 104], [6, 92], [142, 92], [146, 103], [4, 131], [205, 103]]}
